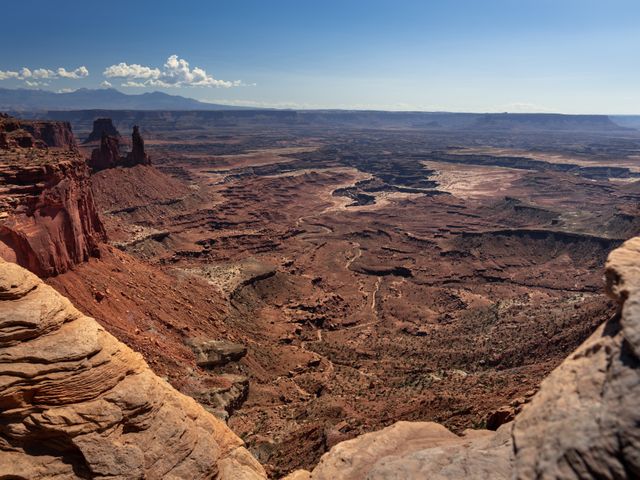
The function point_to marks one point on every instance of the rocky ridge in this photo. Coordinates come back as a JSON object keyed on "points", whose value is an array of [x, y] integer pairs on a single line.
{"points": [[77, 403]]}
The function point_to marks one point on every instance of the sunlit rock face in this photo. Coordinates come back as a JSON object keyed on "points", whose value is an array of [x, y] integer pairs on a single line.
{"points": [[77, 403], [48, 219]]}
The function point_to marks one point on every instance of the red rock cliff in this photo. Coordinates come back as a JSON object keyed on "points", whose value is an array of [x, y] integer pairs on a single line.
{"points": [[108, 155], [48, 220]]}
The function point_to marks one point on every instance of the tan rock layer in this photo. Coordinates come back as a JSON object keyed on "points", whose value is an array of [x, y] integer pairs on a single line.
{"points": [[77, 403]]}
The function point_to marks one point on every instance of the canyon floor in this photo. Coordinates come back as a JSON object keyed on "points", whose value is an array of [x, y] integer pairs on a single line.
{"points": [[373, 274]]}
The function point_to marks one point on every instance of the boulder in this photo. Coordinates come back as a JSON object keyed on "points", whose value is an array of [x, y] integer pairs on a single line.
{"points": [[215, 353], [228, 393]]}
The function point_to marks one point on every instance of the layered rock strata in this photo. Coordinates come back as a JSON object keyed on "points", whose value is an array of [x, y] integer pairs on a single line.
{"points": [[77, 403], [48, 219], [102, 127]]}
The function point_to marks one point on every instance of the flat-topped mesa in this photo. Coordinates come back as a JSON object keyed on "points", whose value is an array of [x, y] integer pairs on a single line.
{"points": [[15, 133], [102, 127], [77, 403], [48, 219], [108, 154]]}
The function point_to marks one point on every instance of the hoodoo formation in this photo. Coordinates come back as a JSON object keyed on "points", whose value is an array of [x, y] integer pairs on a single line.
{"points": [[108, 154], [306, 305]]}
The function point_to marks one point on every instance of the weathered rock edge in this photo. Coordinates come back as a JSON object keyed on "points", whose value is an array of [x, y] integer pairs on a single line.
{"points": [[77, 403], [584, 423]]}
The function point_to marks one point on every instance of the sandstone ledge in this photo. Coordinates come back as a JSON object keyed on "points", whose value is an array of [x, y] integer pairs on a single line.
{"points": [[77, 403]]}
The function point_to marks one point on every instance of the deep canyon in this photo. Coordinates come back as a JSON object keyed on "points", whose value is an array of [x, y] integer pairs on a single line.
{"points": [[304, 279]]}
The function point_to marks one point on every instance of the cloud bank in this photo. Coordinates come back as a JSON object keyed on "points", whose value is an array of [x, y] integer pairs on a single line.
{"points": [[40, 76], [176, 72]]}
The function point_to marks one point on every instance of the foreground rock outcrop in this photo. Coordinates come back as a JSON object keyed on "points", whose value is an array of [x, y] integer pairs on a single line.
{"points": [[48, 219], [584, 423], [417, 450], [77, 403]]}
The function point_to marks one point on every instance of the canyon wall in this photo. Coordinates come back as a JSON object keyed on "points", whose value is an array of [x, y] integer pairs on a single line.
{"points": [[48, 220], [77, 403]]}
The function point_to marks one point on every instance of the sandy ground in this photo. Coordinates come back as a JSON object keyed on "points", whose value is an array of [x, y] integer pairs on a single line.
{"points": [[472, 181]]}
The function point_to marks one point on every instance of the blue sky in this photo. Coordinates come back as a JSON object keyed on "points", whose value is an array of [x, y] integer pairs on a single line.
{"points": [[571, 56]]}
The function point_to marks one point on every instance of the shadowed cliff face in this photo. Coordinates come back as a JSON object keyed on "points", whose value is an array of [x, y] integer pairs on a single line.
{"points": [[102, 127], [77, 403], [48, 220]]}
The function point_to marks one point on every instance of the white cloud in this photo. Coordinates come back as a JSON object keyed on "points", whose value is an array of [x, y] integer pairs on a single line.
{"points": [[106, 84], [522, 107], [122, 70], [80, 72], [30, 77], [66, 90], [43, 73], [176, 72], [6, 74], [133, 84]]}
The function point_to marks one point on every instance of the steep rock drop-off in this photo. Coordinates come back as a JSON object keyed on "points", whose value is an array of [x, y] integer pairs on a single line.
{"points": [[77, 403], [582, 424], [16, 133], [48, 220]]}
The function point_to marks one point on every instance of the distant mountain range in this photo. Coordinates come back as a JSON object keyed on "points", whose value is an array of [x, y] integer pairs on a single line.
{"points": [[22, 99], [83, 105]]}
